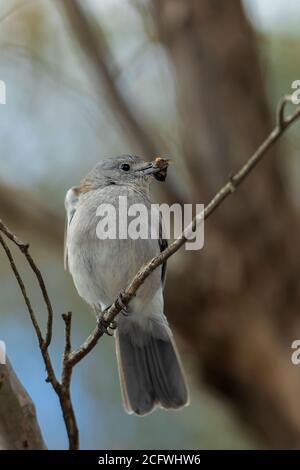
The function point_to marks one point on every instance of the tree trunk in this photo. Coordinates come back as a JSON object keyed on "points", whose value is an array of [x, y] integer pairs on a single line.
{"points": [[19, 429], [238, 302]]}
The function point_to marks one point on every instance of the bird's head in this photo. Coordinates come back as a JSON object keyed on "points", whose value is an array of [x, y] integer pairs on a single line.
{"points": [[125, 170]]}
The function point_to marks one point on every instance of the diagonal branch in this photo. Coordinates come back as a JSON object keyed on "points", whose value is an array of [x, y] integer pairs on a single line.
{"points": [[282, 124]]}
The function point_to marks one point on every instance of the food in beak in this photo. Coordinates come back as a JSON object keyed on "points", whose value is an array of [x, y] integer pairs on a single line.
{"points": [[162, 164]]}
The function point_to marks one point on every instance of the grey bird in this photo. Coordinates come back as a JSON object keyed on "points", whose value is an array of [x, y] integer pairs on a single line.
{"points": [[150, 369]]}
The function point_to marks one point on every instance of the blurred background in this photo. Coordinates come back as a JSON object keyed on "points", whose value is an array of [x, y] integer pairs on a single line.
{"points": [[199, 82]]}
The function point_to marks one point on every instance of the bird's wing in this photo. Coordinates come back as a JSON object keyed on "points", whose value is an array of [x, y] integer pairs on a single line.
{"points": [[71, 203], [163, 244]]}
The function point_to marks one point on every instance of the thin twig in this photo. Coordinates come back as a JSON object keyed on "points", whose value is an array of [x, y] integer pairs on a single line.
{"points": [[25, 250], [66, 370], [23, 289], [62, 388], [65, 394], [67, 318], [43, 347]]}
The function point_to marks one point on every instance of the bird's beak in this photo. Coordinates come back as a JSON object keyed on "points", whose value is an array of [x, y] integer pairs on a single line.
{"points": [[156, 166]]}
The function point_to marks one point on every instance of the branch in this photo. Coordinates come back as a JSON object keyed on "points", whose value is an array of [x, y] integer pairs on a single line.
{"points": [[71, 358], [21, 285], [24, 248]]}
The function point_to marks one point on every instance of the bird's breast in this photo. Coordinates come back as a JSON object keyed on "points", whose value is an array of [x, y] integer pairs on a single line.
{"points": [[101, 267]]}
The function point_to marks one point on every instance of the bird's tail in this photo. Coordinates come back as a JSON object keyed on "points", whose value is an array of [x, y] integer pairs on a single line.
{"points": [[150, 370]]}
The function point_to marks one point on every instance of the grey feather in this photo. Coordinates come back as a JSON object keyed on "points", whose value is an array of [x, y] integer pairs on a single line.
{"points": [[151, 374], [71, 203]]}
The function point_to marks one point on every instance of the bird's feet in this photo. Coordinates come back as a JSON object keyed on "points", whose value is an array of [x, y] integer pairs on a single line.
{"points": [[104, 326], [120, 301]]}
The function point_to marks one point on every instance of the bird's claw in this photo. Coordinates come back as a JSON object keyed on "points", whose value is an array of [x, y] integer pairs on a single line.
{"points": [[120, 301], [105, 327], [113, 325]]}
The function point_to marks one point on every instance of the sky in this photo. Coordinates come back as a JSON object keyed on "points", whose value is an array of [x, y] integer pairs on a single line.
{"points": [[279, 15]]}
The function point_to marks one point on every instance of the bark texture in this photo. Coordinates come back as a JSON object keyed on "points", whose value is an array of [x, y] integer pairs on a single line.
{"points": [[19, 429]]}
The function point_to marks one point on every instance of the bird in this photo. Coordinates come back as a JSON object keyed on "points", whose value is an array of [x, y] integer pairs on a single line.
{"points": [[150, 369]]}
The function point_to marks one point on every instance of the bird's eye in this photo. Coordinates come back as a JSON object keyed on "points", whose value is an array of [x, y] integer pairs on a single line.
{"points": [[125, 167]]}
